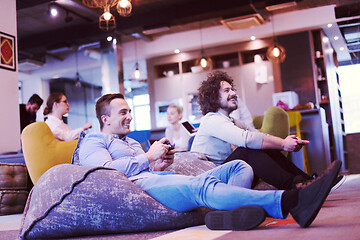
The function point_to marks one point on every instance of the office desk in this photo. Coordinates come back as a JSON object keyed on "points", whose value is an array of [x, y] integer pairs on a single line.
{"points": [[315, 129]]}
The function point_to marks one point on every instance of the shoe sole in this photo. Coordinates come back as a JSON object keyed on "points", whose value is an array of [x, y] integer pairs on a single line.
{"points": [[337, 185], [241, 218], [311, 207]]}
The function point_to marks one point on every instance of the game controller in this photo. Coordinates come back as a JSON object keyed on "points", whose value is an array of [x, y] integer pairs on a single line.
{"points": [[171, 146]]}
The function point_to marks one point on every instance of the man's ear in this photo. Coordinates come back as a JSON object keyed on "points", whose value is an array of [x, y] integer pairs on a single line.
{"points": [[104, 119]]}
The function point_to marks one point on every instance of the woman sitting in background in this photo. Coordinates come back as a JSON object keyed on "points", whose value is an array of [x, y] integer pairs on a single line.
{"points": [[176, 133], [56, 107]]}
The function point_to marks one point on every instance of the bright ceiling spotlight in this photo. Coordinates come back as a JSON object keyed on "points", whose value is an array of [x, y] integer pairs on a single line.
{"points": [[329, 25], [109, 38], [53, 11], [342, 48], [253, 38], [336, 38], [177, 51]]}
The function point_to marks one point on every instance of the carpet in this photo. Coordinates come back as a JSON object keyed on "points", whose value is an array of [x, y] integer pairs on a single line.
{"points": [[339, 218]]}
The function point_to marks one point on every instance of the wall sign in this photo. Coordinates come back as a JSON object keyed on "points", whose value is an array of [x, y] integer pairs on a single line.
{"points": [[7, 52]]}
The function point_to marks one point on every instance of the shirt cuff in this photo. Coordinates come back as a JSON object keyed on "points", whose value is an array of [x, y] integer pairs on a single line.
{"points": [[143, 161]]}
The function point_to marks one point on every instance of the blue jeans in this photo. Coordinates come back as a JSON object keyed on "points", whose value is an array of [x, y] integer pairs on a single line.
{"points": [[223, 188]]}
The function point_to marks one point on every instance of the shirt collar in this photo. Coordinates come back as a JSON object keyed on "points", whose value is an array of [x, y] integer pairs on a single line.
{"points": [[229, 118]]}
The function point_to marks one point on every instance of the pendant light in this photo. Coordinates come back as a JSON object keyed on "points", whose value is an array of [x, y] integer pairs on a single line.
{"points": [[124, 8], [136, 73], [77, 76], [205, 62], [106, 20], [275, 53]]}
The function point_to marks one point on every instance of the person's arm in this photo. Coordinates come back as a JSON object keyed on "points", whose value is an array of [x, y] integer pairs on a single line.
{"points": [[290, 143], [65, 133], [127, 158], [244, 125], [220, 127]]}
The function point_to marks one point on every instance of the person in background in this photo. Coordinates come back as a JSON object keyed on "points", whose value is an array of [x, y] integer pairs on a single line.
{"points": [[224, 188], [176, 132], [56, 107], [28, 111]]}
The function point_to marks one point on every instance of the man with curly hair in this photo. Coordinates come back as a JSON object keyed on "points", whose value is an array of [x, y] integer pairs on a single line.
{"points": [[218, 133]]}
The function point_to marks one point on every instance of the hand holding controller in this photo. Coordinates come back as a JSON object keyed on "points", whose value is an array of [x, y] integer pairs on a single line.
{"points": [[171, 146]]}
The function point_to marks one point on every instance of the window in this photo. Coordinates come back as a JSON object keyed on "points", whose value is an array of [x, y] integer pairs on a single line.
{"points": [[350, 94], [140, 105]]}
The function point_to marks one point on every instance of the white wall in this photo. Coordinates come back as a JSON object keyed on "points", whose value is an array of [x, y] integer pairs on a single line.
{"points": [[9, 94]]}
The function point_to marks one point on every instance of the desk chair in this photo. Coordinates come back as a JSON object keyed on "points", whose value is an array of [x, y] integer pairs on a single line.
{"points": [[294, 120]]}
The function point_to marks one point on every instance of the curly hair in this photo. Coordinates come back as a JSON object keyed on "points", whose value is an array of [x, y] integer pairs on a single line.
{"points": [[208, 97]]}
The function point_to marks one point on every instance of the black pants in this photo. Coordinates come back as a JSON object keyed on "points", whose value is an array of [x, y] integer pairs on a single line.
{"points": [[269, 165]]}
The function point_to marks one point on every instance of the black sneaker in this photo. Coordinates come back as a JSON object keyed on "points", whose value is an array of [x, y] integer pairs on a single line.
{"points": [[337, 183], [241, 218], [312, 197]]}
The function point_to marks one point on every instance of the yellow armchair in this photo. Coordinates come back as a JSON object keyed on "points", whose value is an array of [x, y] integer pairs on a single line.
{"points": [[275, 122], [42, 151]]}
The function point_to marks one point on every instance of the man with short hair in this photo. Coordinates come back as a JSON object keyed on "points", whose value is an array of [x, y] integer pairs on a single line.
{"points": [[28, 111], [219, 134], [224, 188]]}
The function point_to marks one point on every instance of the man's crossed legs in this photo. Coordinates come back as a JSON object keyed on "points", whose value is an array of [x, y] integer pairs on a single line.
{"points": [[227, 187]]}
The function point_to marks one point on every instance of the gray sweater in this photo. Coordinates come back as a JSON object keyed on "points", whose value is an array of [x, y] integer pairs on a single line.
{"points": [[217, 132]]}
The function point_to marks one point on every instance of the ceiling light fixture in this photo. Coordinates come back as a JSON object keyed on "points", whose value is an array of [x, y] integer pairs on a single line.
{"points": [[136, 73], [106, 20], [276, 53], [77, 77], [124, 8], [52, 10], [329, 25], [177, 51], [205, 62], [336, 38], [253, 38]]}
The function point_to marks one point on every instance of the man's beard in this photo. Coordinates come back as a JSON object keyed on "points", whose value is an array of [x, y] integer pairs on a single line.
{"points": [[229, 108]]}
